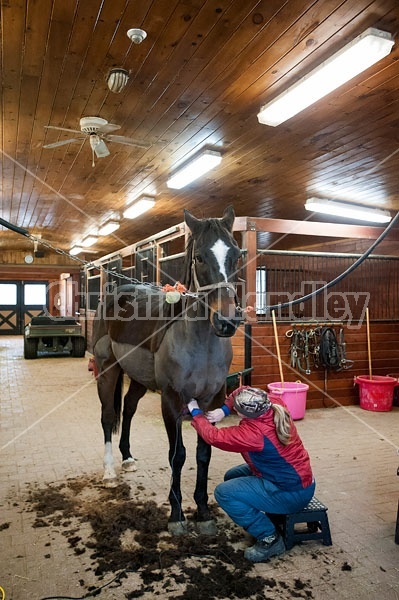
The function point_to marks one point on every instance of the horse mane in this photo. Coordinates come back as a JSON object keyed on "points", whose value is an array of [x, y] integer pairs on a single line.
{"points": [[186, 276]]}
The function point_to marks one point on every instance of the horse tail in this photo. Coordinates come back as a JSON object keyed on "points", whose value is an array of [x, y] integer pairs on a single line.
{"points": [[118, 402]]}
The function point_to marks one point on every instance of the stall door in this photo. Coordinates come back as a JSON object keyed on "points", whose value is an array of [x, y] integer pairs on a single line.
{"points": [[19, 302]]}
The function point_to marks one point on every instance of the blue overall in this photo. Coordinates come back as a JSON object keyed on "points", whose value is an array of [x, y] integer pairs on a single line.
{"points": [[246, 498]]}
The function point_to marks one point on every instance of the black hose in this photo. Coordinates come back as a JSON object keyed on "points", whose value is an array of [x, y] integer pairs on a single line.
{"points": [[15, 228], [344, 274]]}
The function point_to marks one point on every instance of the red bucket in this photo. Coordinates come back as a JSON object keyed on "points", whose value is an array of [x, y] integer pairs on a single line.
{"points": [[376, 393]]}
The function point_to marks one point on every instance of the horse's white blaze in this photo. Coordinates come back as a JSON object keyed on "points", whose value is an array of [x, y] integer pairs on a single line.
{"points": [[220, 250]]}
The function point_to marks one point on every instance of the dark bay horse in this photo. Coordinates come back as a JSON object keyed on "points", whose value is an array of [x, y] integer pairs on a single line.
{"points": [[182, 350]]}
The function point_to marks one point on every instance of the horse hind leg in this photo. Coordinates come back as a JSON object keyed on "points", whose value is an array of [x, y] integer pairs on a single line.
{"points": [[109, 387], [135, 392]]}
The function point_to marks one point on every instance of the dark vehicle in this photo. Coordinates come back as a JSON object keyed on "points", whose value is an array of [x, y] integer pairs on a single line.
{"points": [[53, 335]]}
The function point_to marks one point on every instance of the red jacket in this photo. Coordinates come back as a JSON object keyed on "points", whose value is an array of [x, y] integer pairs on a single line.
{"points": [[288, 467]]}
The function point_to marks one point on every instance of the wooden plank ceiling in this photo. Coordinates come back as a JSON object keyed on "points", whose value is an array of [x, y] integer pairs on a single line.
{"points": [[198, 79]]}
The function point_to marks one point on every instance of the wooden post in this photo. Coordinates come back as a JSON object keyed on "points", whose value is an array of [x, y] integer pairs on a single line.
{"points": [[278, 349], [369, 342], [249, 243]]}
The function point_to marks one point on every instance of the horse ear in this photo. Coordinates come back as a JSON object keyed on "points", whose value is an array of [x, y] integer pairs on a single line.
{"points": [[192, 222], [228, 217]]}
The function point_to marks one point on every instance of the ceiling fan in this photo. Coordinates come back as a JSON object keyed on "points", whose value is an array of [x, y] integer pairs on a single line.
{"points": [[98, 131]]}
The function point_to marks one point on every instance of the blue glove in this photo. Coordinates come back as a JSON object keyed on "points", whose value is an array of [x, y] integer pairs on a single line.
{"points": [[194, 408]]}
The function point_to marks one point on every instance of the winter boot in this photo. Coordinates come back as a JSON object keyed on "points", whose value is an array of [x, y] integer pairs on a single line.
{"points": [[273, 545]]}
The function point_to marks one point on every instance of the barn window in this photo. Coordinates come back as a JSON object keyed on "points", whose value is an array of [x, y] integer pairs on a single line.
{"points": [[35, 294], [8, 293]]}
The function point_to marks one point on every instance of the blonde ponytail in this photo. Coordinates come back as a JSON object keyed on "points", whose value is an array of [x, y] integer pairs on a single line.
{"points": [[282, 421]]}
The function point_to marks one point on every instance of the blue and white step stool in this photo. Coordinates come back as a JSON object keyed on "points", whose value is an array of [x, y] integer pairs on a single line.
{"points": [[313, 516]]}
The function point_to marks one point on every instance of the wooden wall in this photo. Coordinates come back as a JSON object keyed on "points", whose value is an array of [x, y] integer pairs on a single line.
{"points": [[239, 358], [337, 387], [13, 266], [16, 257]]}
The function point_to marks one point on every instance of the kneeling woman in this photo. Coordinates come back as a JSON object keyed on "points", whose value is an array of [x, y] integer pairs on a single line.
{"points": [[276, 477]]}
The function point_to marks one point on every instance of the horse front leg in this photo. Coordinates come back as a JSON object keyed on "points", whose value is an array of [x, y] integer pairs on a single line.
{"points": [[135, 392], [171, 408], [205, 522]]}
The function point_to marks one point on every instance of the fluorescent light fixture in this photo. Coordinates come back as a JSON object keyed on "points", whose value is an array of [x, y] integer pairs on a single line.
{"points": [[349, 211], [75, 250], [139, 207], [108, 227], [357, 56], [200, 164], [89, 241]]}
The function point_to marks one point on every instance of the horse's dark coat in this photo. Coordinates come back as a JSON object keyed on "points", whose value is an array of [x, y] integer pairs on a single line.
{"points": [[183, 350]]}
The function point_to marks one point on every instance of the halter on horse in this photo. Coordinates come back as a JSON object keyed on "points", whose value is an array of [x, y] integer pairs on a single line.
{"points": [[183, 350]]}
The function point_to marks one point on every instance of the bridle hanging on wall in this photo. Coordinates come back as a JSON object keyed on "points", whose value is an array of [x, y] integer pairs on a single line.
{"points": [[318, 346]]}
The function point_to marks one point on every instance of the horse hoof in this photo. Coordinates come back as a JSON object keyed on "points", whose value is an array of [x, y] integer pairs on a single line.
{"points": [[129, 465], [207, 527], [177, 527], [110, 482]]}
